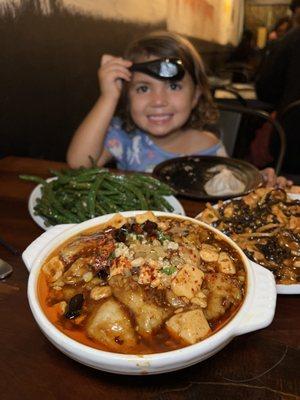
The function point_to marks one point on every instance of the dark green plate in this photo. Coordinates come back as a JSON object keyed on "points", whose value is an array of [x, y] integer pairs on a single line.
{"points": [[188, 175]]}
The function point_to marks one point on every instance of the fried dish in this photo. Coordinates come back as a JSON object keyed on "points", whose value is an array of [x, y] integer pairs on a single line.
{"points": [[266, 225], [142, 285]]}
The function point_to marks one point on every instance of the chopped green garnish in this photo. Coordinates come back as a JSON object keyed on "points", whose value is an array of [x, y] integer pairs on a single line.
{"points": [[162, 236], [169, 270]]}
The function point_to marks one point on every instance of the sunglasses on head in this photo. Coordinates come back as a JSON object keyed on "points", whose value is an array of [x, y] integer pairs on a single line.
{"points": [[164, 69]]}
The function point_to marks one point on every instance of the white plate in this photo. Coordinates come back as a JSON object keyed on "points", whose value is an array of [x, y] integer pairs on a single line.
{"points": [[290, 289], [281, 289], [36, 193]]}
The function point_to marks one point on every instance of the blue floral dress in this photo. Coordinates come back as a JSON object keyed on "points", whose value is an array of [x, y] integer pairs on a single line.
{"points": [[135, 151]]}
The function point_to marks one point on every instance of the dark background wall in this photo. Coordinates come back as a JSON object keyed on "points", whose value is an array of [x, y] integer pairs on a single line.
{"points": [[48, 72]]}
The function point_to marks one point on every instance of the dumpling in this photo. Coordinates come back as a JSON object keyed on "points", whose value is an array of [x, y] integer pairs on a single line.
{"points": [[224, 183]]}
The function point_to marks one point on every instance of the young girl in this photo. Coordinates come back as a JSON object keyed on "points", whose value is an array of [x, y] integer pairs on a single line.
{"points": [[157, 118]]}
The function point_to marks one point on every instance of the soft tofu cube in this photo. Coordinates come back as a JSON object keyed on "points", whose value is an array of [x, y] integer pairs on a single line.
{"points": [[111, 326], [187, 282], [189, 327]]}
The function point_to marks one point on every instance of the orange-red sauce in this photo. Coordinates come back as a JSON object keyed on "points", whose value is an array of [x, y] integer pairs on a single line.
{"points": [[160, 342]]}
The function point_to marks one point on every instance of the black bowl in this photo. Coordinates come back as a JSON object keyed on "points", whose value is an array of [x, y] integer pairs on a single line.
{"points": [[188, 175]]}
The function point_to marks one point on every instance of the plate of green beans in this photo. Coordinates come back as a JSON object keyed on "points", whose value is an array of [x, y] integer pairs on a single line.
{"points": [[75, 195]]}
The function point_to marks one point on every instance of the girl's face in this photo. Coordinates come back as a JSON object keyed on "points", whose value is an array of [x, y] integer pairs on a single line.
{"points": [[161, 107]]}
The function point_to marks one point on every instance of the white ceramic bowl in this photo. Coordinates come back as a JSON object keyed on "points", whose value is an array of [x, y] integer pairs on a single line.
{"points": [[256, 312]]}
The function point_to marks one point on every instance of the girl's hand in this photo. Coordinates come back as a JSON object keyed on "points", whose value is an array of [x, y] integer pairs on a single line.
{"points": [[272, 180], [111, 73]]}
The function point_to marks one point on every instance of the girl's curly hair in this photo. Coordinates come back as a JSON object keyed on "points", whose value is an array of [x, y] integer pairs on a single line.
{"points": [[168, 44]]}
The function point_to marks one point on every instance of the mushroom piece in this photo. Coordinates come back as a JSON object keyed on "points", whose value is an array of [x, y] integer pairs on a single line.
{"points": [[226, 264]]}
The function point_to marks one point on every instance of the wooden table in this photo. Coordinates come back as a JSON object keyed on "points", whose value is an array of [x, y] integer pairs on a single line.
{"points": [[260, 365]]}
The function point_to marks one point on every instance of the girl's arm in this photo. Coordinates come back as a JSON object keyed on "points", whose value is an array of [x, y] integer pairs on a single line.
{"points": [[89, 136]]}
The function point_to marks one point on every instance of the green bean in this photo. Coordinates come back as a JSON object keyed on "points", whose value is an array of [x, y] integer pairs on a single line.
{"points": [[108, 206], [51, 217], [33, 178], [79, 211], [138, 194], [109, 186], [100, 210], [57, 205], [80, 194], [92, 195], [155, 183], [165, 204], [79, 185]]}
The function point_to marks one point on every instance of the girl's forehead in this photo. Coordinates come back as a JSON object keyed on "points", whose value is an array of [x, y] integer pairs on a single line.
{"points": [[144, 58], [140, 77]]}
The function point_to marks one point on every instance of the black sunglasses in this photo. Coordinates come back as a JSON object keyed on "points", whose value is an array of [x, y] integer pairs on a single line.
{"points": [[164, 68]]}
